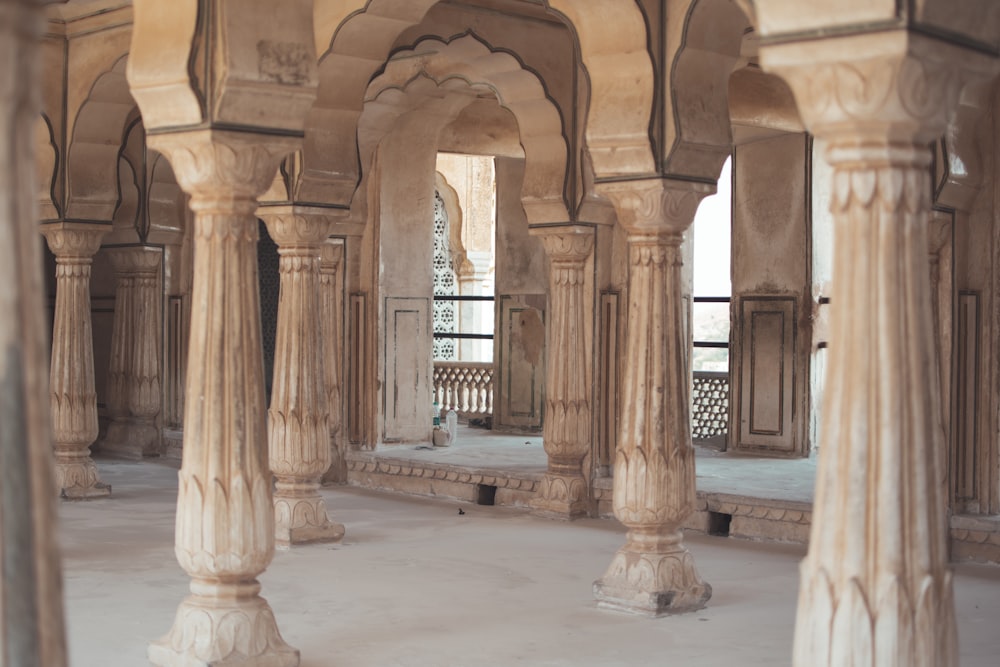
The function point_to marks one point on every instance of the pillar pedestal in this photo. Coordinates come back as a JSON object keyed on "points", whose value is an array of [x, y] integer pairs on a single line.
{"points": [[654, 478], [564, 490], [225, 517], [73, 397], [134, 375], [299, 433], [876, 588]]}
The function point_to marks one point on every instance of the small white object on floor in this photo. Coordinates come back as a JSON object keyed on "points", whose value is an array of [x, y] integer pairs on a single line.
{"points": [[451, 421], [440, 437]]}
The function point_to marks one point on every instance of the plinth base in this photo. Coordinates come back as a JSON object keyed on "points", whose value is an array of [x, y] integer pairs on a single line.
{"points": [[222, 632], [652, 584], [561, 497], [131, 441], [303, 521], [79, 481]]}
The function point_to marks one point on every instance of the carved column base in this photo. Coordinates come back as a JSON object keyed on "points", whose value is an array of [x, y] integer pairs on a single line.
{"points": [[300, 516], [221, 626], [561, 496], [77, 479], [131, 440], [653, 575]]}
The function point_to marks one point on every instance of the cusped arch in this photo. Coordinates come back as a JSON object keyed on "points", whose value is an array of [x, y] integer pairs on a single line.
{"points": [[698, 132], [420, 105], [456, 220], [540, 125], [92, 156], [355, 38]]}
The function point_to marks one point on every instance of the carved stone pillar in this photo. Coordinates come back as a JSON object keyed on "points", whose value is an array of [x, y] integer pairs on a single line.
{"points": [[567, 429], [31, 625], [654, 476], [298, 430], [876, 587], [134, 374], [73, 398], [331, 309], [225, 517]]}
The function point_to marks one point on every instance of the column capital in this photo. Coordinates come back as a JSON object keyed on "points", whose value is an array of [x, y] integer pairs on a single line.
{"points": [[897, 86], [659, 206], [134, 259], [567, 242], [74, 239], [292, 225], [213, 165], [331, 254]]}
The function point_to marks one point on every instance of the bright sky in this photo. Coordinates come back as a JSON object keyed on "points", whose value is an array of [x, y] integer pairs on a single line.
{"points": [[712, 240]]}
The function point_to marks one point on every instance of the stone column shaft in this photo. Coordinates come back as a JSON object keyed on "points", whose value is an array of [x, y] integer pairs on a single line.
{"points": [[563, 491], [876, 588], [134, 373], [654, 475], [73, 397], [298, 430], [225, 517], [331, 308], [32, 630]]}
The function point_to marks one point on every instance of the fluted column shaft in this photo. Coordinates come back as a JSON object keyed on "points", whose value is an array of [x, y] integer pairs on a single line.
{"points": [[225, 518], [298, 430], [73, 397], [31, 608], [876, 588], [134, 370], [654, 475], [331, 308], [563, 491]]}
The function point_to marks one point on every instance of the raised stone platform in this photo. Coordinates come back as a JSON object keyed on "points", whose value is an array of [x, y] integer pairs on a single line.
{"points": [[738, 496]]}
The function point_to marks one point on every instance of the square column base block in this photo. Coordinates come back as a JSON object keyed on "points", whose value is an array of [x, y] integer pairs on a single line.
{"points": [[328, 532], [652, 584], [223, 632], [303, 520], [561, 497], [131, 441], [79, 481]]}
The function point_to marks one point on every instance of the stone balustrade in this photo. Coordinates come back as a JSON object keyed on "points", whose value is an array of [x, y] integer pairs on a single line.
{"points": [[464, 386]]}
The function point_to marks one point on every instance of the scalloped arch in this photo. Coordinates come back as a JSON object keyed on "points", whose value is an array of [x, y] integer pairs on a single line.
{"points": [[356, 36], [92, 155], [469, 61], [699, 137]]}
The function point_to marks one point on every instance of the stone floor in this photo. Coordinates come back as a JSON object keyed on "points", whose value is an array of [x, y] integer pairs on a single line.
{"points": [[415, 584]]}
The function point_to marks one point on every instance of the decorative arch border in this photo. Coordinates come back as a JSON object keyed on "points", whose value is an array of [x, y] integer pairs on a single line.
{"points": [[355, 38], [468, 67], [456, 222]]}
